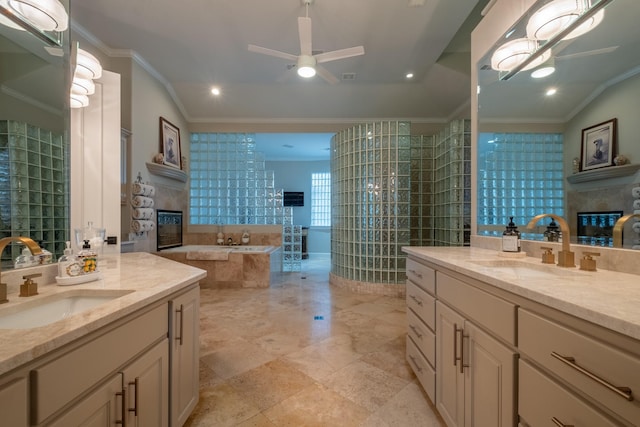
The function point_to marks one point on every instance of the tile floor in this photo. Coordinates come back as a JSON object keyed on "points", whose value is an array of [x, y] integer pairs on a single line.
{"points": [[302, 353]]}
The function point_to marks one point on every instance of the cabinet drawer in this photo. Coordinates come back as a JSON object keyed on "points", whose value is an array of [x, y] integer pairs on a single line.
{"points": [[62, 380], [421, 275], [542, 399], [595, 364], [425, 373], [424, 338], [495, 314], [423, 304]]}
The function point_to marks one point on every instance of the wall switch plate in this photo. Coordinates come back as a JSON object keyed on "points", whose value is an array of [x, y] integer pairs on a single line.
{"points": [[112, 240]]}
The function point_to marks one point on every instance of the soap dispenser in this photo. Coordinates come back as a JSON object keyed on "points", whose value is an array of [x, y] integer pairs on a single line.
{"points": [[511, 238], [68, 265], [26, 259], [88, 258], [552, 233]]}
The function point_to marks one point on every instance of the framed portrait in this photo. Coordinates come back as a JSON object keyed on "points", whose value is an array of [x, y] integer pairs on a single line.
{"points": [[170, 144], [598, 145]]}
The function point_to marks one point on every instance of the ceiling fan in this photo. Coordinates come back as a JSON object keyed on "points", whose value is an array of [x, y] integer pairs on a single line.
{"points": [[307, 63]]}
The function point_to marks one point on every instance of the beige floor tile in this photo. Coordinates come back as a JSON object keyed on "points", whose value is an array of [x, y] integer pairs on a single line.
{"points": [[221, 406], [235, 359]]}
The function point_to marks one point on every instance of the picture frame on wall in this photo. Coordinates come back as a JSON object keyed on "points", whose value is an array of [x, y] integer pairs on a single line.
{"points": [[170, 144], [598, 145]]}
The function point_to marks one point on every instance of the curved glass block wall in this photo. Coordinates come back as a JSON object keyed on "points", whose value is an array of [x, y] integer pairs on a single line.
{"points": [[370, 170]]}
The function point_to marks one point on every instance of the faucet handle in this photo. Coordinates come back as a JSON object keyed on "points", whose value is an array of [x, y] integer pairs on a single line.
{"points": [[547, 255], [587, 263], [29, 287]]}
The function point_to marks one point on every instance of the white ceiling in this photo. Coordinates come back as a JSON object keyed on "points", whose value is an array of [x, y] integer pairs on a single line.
{"points": [[194, 45]]}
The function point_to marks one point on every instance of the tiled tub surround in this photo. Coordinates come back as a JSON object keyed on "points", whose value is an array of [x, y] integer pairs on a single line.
{"points": [[151, 278], [231, 266]]}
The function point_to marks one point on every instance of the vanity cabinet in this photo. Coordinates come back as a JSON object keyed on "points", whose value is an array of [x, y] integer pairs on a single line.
{"points": [[185, 354], [601, 371], [14, 400]]}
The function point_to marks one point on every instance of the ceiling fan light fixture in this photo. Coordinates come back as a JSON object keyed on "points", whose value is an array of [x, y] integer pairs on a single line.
{"points": [[544, 70], [557, 15], [46, 15], [306, 66]]}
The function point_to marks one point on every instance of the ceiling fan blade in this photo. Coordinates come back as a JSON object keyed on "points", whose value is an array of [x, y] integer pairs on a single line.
{"points": [[339, 54], [587, 53], [304, 31], [271, 52], [326, 75]]}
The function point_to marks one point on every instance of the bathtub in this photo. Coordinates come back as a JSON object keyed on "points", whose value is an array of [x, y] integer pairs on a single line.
{"points": [[231, 266]]}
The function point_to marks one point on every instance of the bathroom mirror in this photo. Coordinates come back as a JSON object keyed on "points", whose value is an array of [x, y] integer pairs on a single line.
{"points": [[585, 67], [34, 149]]}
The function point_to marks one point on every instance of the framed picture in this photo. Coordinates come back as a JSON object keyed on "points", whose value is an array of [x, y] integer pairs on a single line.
{"points": [[598, 145], [170, 143]]}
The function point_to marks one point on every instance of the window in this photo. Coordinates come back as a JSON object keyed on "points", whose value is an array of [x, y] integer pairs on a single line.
{"points": [[321, 199]]}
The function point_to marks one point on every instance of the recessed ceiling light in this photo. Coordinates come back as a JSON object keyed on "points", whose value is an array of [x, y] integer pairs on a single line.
{"points": [[551, 91], [543, 72], [409, 75], [215, 91]]}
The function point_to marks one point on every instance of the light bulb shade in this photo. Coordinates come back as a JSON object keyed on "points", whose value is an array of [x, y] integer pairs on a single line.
{"points": [[544, 71], [82, 86], [78, 101], [306, 66], [87, 66], [556, 16], [46, 15], [513, 53], [6, 21]]}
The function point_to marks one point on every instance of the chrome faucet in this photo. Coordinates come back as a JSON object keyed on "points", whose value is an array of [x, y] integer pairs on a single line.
{"points": [[619, 227], [29, 243], [566, 258]]}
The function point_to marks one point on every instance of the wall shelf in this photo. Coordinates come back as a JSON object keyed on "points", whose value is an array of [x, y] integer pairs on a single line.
{"points": [[603, 173], [167, 171]]}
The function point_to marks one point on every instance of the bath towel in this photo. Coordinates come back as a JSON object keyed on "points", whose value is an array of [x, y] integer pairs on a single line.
{"points": [[142, 202], [142, 213], [146, 190]]}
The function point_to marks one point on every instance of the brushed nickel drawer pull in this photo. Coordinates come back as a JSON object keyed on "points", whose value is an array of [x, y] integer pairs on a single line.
{"points": [[418, 301], [455, 345], [181, 311], [123, 408], [136, 384], [415, 331], [624, 392], [415, 363], [416, 273], [559, 423]]}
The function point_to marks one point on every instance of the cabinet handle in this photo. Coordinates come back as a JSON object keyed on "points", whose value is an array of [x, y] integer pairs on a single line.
{"points": [[415, 331], [415, 363], [416, 273], [418, 301], [624, 392], [560, 423], [181, 311], [136, 383], [123, 410], [455, 345]]}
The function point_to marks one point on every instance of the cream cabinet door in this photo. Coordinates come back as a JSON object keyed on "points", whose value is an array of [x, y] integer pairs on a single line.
{"points": [[14, 406], [146, 382], [185, 355], [449, 380], [101, 408], [489, 380]]}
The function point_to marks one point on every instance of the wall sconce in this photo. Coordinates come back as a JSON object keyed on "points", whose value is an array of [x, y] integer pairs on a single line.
{"points": [[554, 17], [46, 15], [513, 53], [87, 68]]}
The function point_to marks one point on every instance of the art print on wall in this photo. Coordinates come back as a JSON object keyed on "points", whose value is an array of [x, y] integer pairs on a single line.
{"points": [[170, 144], [598, 145]]}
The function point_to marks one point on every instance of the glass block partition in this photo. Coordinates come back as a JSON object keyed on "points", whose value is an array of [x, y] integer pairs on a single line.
{"points": [[422, 184], [452, 185], [229, 185], [34, 189], [519, 175], [370, 170]]}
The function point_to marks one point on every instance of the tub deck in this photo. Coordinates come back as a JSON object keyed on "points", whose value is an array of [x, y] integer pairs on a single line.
{"points": [[231, 266]]}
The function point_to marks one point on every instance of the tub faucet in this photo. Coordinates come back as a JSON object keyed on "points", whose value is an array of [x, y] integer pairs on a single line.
{"points": [[566, 258], [33, 247], [619, 227]]}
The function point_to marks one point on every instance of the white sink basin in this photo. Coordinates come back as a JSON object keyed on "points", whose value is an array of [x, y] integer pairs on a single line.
{"points": [[41, 311], [526, 269]]}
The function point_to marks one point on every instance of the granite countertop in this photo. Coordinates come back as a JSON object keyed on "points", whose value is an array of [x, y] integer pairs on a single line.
{"points": [[603, 297], [147, 278]]}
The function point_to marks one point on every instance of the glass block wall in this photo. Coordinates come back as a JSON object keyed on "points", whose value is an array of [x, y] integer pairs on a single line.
{"points": [[421, 188], [34, 191], [452, 185], [229, 185], [370, 170], [519, 175]]}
